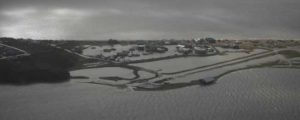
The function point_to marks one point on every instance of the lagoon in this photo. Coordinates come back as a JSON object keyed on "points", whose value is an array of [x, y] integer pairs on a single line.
{"points": [[262, 93]]}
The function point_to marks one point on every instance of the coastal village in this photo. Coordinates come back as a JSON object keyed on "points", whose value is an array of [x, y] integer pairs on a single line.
{"points": [[145, 50], [150, 60], [154, 64]]}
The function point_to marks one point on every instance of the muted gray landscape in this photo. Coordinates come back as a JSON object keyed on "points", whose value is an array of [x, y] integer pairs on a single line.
{"points": [[248, 94], [149, 60]]}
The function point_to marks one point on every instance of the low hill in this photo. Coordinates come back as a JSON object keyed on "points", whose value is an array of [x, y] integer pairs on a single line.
{"points": [[45, 63]]}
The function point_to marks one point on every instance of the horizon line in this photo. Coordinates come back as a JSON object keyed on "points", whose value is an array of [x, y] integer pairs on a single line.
{"points": [[140, 39]]}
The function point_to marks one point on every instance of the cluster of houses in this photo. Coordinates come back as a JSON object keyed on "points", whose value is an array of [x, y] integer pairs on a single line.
{"points": [[252, 44], [116, 52], [144, 48], [138, 50], [151, 48], [197, 46]]}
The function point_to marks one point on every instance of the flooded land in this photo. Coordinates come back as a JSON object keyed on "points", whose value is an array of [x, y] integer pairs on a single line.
{"points": [[150, 60], [151, 80], [263, 93]]}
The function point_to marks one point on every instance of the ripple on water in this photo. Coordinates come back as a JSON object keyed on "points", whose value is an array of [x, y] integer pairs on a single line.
{"points": [[266, 93]]}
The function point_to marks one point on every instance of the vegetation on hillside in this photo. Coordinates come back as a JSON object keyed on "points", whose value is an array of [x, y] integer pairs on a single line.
{"points": [[45, 63]]}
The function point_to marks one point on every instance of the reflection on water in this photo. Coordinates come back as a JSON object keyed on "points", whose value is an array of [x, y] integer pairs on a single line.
{"points": [[266, 93]]}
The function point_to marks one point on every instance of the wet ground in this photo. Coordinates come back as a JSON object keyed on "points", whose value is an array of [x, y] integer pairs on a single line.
{"points": [[265, 93]]}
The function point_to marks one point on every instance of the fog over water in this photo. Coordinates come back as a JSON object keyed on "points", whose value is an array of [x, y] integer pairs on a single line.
{"points": [[265, 93]]}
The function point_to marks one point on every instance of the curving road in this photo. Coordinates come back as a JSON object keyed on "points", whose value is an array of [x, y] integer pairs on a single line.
{"points": [[25, 53]]}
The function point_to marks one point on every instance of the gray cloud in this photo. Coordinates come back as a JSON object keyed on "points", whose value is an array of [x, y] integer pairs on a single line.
{"points": [[150, 19]]}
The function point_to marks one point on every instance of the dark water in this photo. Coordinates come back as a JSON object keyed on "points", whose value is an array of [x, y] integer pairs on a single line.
{"points": [[268, 94]]}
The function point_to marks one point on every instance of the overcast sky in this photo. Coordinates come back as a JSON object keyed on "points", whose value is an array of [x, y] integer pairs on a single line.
{"points": [[150, 19]]}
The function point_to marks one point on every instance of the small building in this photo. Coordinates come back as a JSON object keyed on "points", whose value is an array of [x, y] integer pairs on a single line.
{"points": [[183, 49], [200, 50], [141, 47]]}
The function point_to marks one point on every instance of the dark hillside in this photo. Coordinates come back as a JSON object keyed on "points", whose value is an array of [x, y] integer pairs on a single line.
{"points": [[45, 63]]}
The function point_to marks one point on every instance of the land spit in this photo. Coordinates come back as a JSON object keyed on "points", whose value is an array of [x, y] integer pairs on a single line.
{"points": [[161, 80]]}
